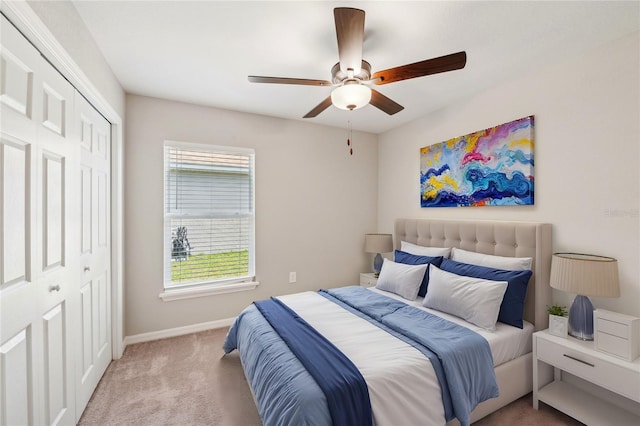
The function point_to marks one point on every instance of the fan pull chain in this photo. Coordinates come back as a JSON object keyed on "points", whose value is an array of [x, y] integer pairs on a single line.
{"points": [[349, 138]]}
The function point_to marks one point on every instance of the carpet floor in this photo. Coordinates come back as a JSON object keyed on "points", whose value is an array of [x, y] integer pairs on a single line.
{"points": [[186, 380]]}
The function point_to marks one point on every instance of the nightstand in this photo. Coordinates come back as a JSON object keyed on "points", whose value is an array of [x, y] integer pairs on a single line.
{"points": [[616, 381], [368, 279]]}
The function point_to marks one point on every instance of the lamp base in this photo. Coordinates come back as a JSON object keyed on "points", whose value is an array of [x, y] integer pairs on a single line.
{"points": [[581, 318], [377, 264]]}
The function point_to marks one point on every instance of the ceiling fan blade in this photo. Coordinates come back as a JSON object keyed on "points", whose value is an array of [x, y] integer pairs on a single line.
{"points": [[455, 61], [285, 80], [319, 108], [350, 33], [383, 103]]}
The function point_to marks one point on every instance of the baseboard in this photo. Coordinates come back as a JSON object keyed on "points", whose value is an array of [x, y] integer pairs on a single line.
{"points": [[178, 331]]}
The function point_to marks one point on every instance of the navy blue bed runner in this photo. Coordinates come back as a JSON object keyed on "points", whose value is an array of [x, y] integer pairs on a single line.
{"points": [[341, 382]]}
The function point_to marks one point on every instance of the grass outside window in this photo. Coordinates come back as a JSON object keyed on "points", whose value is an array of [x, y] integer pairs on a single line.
{"points": [[208, 267]]}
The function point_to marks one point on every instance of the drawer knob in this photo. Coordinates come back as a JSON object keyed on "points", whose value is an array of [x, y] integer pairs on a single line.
{"points": [[579, 360]]}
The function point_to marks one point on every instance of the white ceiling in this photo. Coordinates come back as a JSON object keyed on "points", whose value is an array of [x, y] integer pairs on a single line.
{"points": [[201, 52]]}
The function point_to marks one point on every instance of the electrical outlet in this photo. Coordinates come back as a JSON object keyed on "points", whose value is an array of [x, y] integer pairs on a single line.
{"points": [[292, 277]]}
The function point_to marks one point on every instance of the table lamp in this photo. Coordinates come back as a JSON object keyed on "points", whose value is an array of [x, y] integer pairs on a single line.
{"points": [[585, 275], [378, 243]]}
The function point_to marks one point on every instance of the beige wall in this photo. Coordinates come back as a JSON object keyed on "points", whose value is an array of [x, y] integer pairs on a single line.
{"points": [[314, 203], [587, 179]]}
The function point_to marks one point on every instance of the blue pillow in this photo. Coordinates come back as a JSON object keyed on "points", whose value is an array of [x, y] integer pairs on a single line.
{"points": [[412, 259], [512, 307]]}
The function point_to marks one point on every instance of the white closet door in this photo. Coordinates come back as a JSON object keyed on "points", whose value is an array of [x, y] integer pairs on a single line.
{"points": [[20, 332], [94, 292], [56, 243], [37, 160]]}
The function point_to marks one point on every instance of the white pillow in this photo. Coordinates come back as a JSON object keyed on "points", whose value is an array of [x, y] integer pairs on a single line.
{"points": [[424, 251], [473, 299], [403, 280], [491, 261]]}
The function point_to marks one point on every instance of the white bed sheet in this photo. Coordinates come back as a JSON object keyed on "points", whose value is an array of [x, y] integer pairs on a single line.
{"points": [[506, 342]]}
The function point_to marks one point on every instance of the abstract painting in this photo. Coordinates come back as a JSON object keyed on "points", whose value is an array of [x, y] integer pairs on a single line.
{"points": [[491, 167]]}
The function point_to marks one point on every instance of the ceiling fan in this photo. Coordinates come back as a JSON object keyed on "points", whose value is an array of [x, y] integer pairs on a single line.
{"points": [[352, 76]]}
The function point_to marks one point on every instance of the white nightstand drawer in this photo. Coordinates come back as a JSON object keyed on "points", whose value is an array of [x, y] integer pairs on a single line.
{"points": [[567, 359], [613, 328], [613, 344], [616, 334], [595, 369]]}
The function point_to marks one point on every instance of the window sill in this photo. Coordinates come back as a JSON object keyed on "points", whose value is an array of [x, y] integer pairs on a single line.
{"points": [[205, 290]]}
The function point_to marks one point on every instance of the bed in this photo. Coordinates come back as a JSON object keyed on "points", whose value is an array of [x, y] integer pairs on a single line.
{"points": [[404, 380]]}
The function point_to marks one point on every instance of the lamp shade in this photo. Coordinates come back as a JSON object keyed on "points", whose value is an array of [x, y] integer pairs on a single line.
{"points": [[585, 274], [378, 243], [351, 96]]}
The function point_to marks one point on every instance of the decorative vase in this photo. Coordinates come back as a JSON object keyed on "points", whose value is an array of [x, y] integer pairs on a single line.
{"points": [[377, 264]]}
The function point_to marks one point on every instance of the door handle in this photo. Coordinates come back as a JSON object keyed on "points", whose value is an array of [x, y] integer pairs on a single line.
{"points": [[54, 288], [87, 268]]}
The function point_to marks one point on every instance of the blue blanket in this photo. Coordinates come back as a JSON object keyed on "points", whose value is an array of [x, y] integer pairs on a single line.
{"points": [[464, 354], [343, 385], [284, 391]]}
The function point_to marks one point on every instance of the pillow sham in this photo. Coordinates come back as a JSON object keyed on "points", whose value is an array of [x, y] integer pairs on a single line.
{"points": [[403, 280], [424, 251], [473, 299], [491, 261], [512, 307], [412, 259]]}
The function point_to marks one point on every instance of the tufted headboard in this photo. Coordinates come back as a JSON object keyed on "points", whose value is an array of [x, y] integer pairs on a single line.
{"points": [[515, 239]]}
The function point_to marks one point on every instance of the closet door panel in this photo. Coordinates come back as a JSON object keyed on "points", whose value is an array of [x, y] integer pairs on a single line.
{"points": [[53, 210], [16, 87], [15, 160], [54, 110], [20, 294], [56, 239], [85, 209], [17, 63], [86, 341], [95, 250], [102, 201], [16, 387], [55, 365], [102, 323]]}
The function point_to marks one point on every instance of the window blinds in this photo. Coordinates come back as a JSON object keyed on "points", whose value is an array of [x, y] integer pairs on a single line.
{"points": [[209, 217]]}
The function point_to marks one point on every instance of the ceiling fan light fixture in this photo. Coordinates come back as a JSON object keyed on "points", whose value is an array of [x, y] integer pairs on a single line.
{"points": [[350, 96], [351, 72]]}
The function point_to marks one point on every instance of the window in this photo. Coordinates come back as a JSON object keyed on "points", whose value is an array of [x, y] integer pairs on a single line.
{"points": [[208, 216]]}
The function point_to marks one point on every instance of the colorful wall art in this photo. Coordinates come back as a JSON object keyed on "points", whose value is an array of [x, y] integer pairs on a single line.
{"points": [[492, 167]]}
